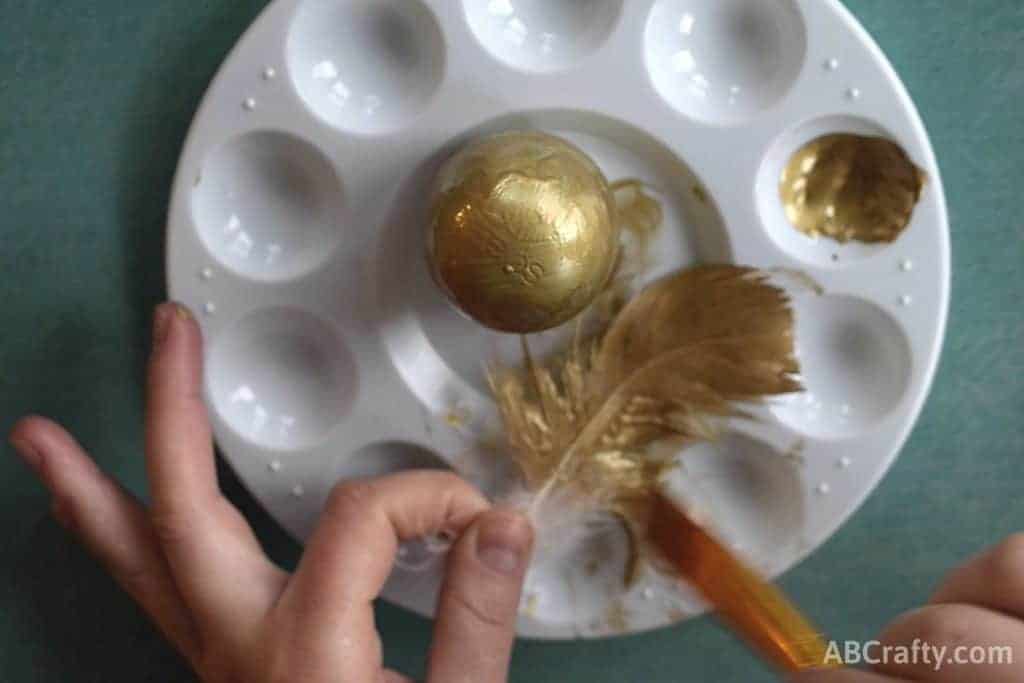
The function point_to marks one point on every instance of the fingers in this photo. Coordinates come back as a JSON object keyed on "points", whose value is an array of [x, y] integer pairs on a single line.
{"points": [[179, 446], [977, 609], [476, 615], [964, 643], [109, 522], [208, 545], [350, 555], [995, 579]]}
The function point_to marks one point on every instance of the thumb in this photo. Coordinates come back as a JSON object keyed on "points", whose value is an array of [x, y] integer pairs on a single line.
{"points": [[476, 616]]}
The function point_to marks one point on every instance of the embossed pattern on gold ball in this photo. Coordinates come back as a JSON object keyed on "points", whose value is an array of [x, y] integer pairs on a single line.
{"points": [[851, 187], [523, 233]]}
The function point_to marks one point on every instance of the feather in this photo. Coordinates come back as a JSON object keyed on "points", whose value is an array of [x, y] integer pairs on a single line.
{"points": [[674, 362]]}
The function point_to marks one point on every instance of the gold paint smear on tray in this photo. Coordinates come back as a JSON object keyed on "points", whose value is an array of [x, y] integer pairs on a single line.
{"points": [[851, 188], [616, 617]]}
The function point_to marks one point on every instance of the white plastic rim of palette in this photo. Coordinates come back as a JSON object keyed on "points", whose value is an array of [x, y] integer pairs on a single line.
{"points": [[296, 234]]}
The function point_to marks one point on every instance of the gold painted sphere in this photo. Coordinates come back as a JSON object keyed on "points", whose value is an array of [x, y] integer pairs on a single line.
{"points": [[523, 234]]}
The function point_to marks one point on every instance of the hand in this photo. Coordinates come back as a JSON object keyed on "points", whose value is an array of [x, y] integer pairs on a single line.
{"points": [[193, 564], [980, 604]]}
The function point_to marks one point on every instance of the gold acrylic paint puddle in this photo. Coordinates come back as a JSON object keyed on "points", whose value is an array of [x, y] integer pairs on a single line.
{"points": [[851, 187]]}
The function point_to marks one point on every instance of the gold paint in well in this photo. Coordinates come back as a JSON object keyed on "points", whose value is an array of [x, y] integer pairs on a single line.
{"points": [[851, 188]]}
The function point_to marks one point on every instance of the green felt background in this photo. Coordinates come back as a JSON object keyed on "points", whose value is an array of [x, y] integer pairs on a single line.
{"points": [[95, 101]]}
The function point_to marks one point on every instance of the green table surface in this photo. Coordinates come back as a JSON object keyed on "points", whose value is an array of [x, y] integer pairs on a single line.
{"points": [[95, 100]]}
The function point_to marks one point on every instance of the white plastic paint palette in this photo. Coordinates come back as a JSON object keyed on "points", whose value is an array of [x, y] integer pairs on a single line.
{"points": [[296, 234]]}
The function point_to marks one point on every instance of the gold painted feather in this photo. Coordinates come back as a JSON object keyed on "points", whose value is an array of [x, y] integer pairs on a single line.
{"points": [[674, 361]]}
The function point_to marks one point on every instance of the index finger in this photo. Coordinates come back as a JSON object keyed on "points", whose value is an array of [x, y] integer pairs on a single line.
{"points": [[351, 554], [179, 444], [207, 542]]}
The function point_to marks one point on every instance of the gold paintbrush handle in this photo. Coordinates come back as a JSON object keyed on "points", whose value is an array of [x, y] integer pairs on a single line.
{"points": [[754, 608]]}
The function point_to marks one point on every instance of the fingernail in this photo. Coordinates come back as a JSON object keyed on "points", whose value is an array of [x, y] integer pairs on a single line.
{"points": [[28, 454], [182, 312], [162, 322], [503, 542]]}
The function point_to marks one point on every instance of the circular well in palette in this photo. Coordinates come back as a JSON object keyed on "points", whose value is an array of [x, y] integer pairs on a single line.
{"points": [[282, 378], [268, 206]]}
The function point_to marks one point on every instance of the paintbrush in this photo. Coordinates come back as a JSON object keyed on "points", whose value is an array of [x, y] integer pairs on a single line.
{"points": [[753, 608]]}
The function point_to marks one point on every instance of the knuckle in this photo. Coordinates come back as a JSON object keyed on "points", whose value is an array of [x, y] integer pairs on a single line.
{"points": [[170, 528], [453, 490], [449, 480], [440, 480], [351, 498], [136, 577], [1006, 564], [945, 624], [478, 609], [445, 483]]}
